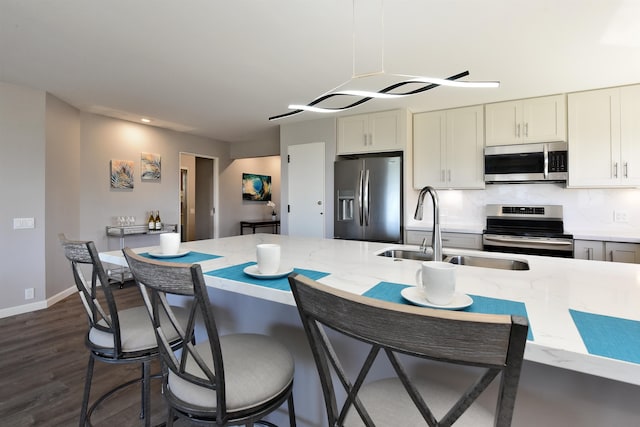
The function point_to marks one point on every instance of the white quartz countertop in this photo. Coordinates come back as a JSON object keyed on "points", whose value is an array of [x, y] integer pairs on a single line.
{"points": [[549, 289]]}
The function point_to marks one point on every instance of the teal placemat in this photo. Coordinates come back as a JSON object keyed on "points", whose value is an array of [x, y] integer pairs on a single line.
{"points": [[235, 272], [190, 258], [388, 291], [608, 336]]}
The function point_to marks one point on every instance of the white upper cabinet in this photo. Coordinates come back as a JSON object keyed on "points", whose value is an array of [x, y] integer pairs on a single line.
{"points": [[448, 148], [526, 121], [604, 138], [368, 133]]}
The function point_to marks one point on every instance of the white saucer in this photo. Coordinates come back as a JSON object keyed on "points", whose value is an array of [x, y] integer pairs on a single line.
{"points": [[253, 271], [415, 295], [158, 254]]}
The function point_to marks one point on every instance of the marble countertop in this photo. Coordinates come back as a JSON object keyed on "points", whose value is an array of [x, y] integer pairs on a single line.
{"points": [[549, 289]]}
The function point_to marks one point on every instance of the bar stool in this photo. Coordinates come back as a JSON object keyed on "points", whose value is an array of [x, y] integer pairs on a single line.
{"points": [[223, 380], [487, 345], [114, 336]]}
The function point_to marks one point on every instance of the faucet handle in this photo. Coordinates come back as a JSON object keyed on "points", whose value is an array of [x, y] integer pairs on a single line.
{"points": [[423, 245]]}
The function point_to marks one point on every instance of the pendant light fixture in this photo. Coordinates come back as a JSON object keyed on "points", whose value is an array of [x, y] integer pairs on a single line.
{"points": [[406, 85]]}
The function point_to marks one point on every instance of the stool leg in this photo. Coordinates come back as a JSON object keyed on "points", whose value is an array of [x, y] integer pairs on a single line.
{"points": [[145, 412], [87, 390], [292, 411], [170, 417]]}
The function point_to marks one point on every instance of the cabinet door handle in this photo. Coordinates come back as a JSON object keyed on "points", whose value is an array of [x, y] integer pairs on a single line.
{"points": [[615, 169], [526, 129], [590, 253], [449, 173], [626, 169]]}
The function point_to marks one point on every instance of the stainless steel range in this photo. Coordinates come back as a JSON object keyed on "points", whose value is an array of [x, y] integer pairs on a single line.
{"points": [[531, 230]]}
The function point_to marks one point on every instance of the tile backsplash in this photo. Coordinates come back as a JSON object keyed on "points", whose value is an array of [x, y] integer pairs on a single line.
{"points": [[586, 211]]}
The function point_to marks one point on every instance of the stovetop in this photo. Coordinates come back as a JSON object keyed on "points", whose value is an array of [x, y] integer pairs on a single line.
{"points": [[520, 220]]}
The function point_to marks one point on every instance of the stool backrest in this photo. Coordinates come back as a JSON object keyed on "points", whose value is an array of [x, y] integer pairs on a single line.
{"points": [[492, 342], [157, 280], [96, 295]]}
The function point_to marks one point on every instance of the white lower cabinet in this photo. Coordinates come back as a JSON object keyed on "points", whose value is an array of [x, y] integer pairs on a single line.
{"points": [[449, 240], [607, 251], [622, 252], [588, 249]]}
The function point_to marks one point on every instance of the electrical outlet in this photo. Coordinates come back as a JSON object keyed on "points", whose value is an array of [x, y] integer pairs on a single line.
{"points": [[620, 216], [29, 293], [23, 223]]}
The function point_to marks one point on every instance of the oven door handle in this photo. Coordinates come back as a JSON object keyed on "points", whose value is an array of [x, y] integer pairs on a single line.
{"points": [[521, 241]]}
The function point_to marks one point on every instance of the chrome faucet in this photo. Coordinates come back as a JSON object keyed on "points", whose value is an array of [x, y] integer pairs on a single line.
{"points": [[436, 238]]}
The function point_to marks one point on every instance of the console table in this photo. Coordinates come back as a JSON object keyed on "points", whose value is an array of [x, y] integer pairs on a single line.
{"points": [[121, 274], [253, 224]]}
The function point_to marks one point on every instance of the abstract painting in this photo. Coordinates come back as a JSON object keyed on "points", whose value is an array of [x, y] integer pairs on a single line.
{"points": [[256, 187], [150, 169], [122, 174]]}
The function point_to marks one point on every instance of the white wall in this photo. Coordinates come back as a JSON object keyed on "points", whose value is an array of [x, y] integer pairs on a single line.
{"points": [[62, 185], [245, 209], [104, 139], [22, 186]]}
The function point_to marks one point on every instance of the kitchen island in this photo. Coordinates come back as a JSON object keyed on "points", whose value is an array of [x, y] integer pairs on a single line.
{"points": [[562, 383]]}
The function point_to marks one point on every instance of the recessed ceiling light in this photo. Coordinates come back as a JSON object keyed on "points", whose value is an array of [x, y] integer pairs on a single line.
{"points": [[145, 120]]}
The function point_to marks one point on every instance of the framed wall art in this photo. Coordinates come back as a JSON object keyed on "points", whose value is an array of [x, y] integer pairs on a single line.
{"points": [[122, 174], [150, 167], [256, 187]]}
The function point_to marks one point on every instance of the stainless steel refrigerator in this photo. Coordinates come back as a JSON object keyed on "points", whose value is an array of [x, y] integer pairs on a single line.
{"points": [[368, 204]]}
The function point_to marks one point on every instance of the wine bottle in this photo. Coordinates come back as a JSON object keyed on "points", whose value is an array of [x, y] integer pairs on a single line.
{"points": [[152, 221], [158, 221]]}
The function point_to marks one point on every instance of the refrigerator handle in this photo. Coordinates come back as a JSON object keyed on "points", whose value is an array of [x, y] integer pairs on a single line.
{"points": [[366, 198], [360, 185]]}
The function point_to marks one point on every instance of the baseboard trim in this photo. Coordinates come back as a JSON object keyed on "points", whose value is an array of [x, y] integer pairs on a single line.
{"points": [[38, 305]]}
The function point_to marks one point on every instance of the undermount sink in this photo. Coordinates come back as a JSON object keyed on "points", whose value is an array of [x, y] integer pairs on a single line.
{"points": [[499, 263], [468, 260], [407, 254]]}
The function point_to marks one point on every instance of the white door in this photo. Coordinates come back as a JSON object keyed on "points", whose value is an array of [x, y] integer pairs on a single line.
{"points": [[306, 189]]}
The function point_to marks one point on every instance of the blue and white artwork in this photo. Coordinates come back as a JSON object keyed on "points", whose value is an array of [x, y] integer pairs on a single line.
{"points": [[122, 174], [150, 167], [256, 187]]}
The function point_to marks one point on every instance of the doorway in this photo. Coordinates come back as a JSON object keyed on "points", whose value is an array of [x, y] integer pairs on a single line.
{"points": [[184, 217], [198, 197]]}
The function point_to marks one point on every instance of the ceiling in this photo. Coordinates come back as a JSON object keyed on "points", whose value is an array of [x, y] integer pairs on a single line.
{"points": [[220, 69]]}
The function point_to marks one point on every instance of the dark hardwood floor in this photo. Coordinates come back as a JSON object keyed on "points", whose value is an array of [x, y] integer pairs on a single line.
{"points": [[43, 362]]}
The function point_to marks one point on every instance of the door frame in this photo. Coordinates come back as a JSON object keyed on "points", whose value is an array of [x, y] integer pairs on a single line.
{"points": [[216, 187]]}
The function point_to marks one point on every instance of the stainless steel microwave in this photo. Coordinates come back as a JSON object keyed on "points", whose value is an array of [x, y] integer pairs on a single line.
{"points": [[543, 162]]}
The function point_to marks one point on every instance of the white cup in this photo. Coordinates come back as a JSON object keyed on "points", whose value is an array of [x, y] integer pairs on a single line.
{"points": [[268, 255], [438, 281], [169, 243]]}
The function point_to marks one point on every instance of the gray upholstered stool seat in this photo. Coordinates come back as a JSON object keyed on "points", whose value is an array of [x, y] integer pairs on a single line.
{"points": [[388, 402], [257, 368], [136, 330]]}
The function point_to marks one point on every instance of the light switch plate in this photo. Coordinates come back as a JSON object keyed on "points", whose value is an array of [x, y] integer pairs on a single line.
{"points": [[23, 223]]}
